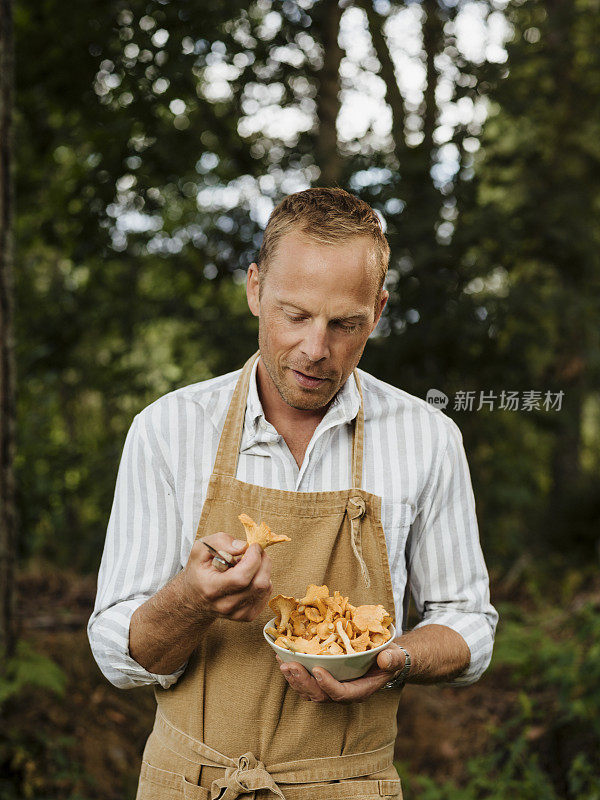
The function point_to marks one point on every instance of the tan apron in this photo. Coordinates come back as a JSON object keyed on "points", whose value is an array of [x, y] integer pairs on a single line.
{"points": [[232, 727]]}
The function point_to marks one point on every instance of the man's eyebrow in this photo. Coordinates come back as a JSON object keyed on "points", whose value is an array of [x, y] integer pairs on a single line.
{"points": [[292, 305], [352, 318], [359, 317]]}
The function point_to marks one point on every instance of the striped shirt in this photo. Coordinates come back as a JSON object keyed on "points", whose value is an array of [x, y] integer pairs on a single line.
{"points": [[414, 460]]}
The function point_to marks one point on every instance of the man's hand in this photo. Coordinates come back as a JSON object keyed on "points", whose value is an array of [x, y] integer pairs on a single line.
{"points": [[321, 687], [239, 593], [438, 653], [165, 629]]}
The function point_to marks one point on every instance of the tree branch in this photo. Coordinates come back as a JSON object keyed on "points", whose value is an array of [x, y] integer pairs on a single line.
{"points": [[432, 36], [393, 95]]}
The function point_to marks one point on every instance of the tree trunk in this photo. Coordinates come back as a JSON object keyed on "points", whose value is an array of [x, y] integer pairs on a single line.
{"points": [[328, 98], [569, 370], [566, 457], [432, 44], [7, 365], [567, 374], [393, 95]]}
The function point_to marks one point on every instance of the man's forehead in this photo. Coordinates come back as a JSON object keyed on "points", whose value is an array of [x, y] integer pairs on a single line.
{"points": [[297, 257], [296, 240], [311, 273]]}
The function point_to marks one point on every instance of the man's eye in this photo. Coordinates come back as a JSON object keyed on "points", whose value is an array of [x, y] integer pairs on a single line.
{"points": [[346, 327], [294, 318]]}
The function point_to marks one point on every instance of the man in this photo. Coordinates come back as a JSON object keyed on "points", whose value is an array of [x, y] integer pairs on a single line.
{"points": [[371, 485]]}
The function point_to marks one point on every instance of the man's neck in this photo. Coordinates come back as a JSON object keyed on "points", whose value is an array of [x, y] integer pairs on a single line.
{"points": [[278, 412]]}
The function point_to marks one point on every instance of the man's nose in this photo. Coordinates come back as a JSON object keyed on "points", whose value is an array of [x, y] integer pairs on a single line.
{"points": [[315, 345]]}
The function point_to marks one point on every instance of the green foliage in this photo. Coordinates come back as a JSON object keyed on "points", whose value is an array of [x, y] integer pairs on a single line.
{"points": [[547, 744], [519, 776], [134, 225], [557, 651], [29, 760], [36, 766], [28, 668], [535, 221]]}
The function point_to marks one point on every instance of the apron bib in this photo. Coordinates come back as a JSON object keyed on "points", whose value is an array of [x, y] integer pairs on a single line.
{"points": [[232, 727]]}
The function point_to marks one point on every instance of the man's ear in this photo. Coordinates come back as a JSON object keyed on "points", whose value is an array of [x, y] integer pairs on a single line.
{"points": [[383, 298], [252, 289]]}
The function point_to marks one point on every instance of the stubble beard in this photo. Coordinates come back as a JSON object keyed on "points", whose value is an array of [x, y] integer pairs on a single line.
{"points": [[296, 399]]}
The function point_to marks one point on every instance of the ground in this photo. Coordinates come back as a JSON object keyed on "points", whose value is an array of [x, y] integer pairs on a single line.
{"points": [[88, 744]]}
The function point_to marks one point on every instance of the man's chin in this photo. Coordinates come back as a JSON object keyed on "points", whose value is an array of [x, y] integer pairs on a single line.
{"points": [[305, 400], [308, 406]]}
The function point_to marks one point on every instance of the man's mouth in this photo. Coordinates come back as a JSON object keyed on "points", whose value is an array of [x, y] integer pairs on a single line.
{"points": [[306, 380]]}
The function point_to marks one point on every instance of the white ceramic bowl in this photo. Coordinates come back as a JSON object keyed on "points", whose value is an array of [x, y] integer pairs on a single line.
{"points": [[345, 667]]}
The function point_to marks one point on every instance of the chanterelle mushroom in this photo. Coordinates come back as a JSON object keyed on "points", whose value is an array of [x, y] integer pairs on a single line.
{"points": [[314, 593], [283, 607], [261, 534], [370, 618]]}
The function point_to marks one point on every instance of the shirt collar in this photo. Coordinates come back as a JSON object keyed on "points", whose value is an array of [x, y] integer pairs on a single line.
{"points": [[343, 409]]}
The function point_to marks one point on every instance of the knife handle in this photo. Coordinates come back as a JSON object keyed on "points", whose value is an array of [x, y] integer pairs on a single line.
{"points": [[224, 560], [220, 564]]}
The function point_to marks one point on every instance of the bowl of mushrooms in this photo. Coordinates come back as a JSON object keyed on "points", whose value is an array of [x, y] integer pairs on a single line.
{"points": [[323, 630]]}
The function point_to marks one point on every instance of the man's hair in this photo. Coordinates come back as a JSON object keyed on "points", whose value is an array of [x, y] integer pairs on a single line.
{"points": [[328, 216]]}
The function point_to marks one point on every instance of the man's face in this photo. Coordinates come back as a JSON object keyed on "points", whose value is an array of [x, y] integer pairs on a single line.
{"points": [[317, 306]]}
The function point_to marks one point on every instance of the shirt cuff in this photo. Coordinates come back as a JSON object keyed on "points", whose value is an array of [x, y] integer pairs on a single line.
{"points": [[476, 631], [108, 633]]}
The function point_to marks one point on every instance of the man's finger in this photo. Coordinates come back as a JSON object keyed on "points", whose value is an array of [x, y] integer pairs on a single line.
{"points": [[243, 605], [251, 604], [239, 577], [221, 541], [302, 682], [391, 659], [262, 578], [226, 542], [349, 691], [249, 565], [337, 690]]}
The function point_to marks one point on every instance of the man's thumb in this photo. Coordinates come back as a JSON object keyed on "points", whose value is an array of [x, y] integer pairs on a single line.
{"points": [[386, 660]]}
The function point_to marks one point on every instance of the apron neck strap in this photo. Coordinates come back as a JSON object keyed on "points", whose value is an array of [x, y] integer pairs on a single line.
{"points": [[358, 439], [231, 436]]}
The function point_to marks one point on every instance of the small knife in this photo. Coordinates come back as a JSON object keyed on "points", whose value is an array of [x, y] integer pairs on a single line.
{"points": [[222, 559]]}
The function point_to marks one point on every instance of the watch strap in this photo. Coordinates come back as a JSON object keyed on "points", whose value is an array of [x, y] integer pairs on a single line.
{"points": [[400, 679]]}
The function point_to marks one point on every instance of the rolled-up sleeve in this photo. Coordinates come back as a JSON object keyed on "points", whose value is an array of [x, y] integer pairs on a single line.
{"points": [[447, 573], [141, 553]]}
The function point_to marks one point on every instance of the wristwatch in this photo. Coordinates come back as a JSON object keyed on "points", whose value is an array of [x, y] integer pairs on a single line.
{"points": [[400, 679]]}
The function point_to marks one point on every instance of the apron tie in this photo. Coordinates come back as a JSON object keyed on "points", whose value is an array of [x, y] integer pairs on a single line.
{"points": [[355, 510], [244, 779]]}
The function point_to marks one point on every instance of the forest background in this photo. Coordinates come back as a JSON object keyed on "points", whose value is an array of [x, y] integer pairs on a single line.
{"points": [[150, 141]]}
